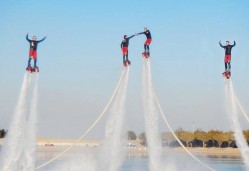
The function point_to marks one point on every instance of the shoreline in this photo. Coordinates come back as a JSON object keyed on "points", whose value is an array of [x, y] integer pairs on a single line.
{"points": [[133, 147]]}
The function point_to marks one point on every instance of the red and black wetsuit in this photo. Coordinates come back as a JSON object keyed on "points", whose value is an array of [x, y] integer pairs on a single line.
{"points": [[148, 40], [228, 48], [124, 46], [228, 52], [33, 49], [34, 43]]}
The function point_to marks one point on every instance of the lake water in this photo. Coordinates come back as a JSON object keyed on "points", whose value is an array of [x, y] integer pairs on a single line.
{"points": [[219, 164], [170, 162]]}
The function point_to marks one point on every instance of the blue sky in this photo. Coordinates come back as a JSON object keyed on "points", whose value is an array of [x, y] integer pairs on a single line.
{"points": [[80, 61]]}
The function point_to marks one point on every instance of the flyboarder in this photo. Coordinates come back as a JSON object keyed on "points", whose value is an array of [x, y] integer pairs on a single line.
{"points": [[227, 59], [33, 53], [147, 33], [124, 47]]}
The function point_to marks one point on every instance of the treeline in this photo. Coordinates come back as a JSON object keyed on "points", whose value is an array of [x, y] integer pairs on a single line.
{"points": [[2, 133], [198, 138]]}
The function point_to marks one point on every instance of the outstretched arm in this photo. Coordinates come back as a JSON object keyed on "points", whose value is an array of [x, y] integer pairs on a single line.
{"points": [[131, 36], [27, 37], [42, 39], [140, 33], [221, 45]]}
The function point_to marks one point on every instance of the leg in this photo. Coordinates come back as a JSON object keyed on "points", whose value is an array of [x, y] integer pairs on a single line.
{"points": [[125, 54], [227, 61], [225, 66], [35, 58], [144, 47], [29, 61], [127, 57], [148, 48], [35, 61], [127, 60], [124, 59], [229, 65]]}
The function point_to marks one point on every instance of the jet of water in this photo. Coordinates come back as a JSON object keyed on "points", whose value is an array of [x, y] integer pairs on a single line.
{"points": [[232, 109], [31, 128], [151, 119], [112, 153], [13, 145]]}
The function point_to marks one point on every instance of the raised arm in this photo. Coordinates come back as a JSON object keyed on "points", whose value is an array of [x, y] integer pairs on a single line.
{"points": [[234, 43], [221, 45], [42, 39], [27, 37]]}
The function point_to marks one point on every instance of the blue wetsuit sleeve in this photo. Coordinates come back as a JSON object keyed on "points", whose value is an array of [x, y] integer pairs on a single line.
{"points": [[41, 40], [141, 33], [234, 44], [131, 37], [27, 38], [221, 45]]}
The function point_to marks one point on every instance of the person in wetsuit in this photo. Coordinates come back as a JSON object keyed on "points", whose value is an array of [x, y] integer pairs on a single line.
{"points": [[148, 40], [124, 47], [33, 49], [227, 59]]}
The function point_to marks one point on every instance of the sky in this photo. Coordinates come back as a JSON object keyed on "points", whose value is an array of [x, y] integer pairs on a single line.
{"points": [[80, 61]]}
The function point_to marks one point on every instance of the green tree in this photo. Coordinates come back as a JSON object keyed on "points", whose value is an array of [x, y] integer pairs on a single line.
{"points": [[167, 137], [216, 135], [142, 138], [186, 136], [246, 135], [202, 136], [178, 131], [3, 133], [211, 134], [131, 135], [228, 136]]}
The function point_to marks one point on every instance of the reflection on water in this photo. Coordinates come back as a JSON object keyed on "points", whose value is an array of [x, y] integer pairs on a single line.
{"points": [[173, 161]]}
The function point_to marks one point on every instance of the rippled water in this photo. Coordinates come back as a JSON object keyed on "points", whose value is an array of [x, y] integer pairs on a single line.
{"points": [[171, 162]]}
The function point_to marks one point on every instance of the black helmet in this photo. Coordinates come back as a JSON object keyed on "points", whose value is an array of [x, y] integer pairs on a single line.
{"points": [[125, 36]]}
